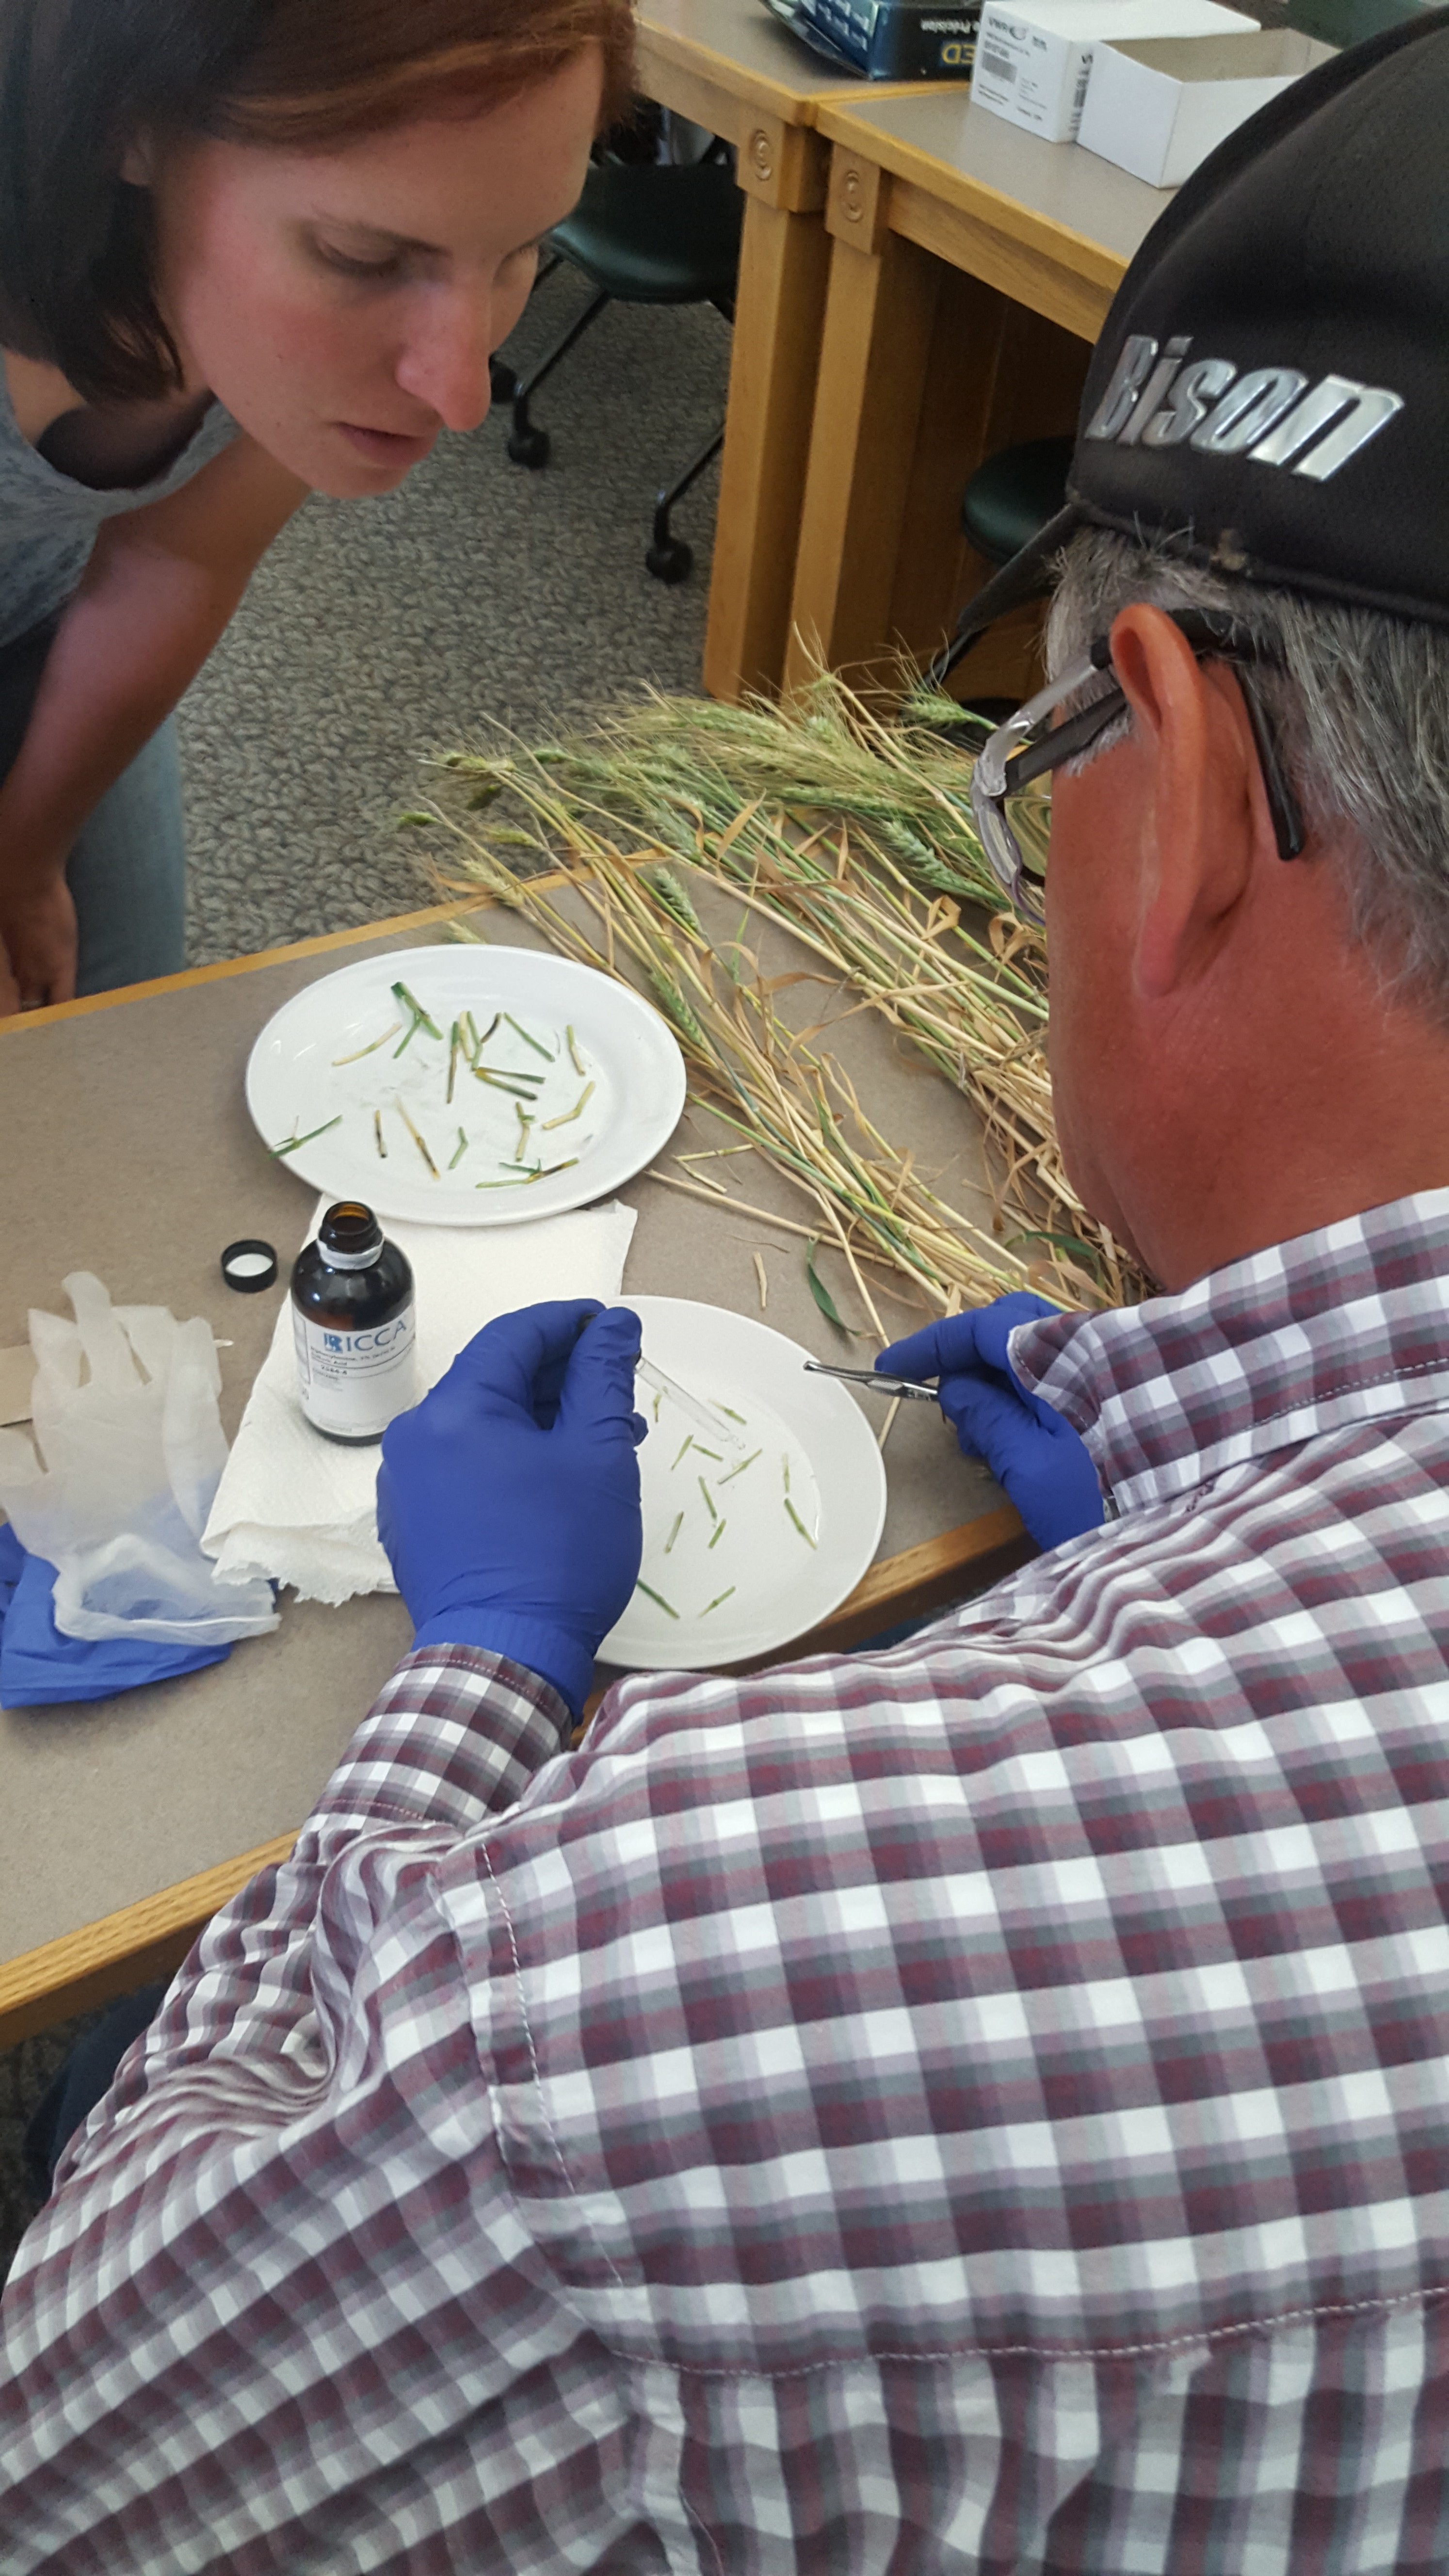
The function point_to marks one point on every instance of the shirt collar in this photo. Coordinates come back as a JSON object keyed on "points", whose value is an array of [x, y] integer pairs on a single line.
{"points": [[1347, 1325]]}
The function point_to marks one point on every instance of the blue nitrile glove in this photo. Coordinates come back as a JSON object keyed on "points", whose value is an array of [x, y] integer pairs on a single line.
{"points": [[1038, 1460], [39, 1667], [508, 1500]]}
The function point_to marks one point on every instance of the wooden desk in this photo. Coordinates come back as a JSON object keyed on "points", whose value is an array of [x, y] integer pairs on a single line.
{"points": [[971, 268], [125, 1148], [735, 71]]}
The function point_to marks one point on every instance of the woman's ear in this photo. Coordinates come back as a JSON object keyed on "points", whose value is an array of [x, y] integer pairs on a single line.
{"points": [[138, 161]]}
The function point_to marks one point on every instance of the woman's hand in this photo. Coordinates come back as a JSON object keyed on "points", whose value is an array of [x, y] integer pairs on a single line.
{"points": [[157, 592], [37, 942]]}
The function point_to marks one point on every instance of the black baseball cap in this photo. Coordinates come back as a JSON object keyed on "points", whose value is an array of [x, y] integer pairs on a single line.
{"points": [[1270, 392]]}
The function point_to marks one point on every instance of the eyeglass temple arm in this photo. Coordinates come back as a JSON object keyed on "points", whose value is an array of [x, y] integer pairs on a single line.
{"points": [[1207, 634]]}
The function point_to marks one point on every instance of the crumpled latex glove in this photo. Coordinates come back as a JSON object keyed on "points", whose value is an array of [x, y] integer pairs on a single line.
{"points": [[1038, 1460], [508, 1500], [127, 1455], [39, 1667]]}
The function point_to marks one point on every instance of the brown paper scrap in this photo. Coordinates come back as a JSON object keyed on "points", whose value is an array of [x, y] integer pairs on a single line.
{"points": [[17, 1377]]}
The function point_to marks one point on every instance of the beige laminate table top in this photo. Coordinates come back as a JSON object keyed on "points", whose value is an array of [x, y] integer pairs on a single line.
{"points": [[126, 1149], [1067, 201]]}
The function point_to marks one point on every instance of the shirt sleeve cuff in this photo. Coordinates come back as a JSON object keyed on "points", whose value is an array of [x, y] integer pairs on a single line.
{"points": [[453, 1737], [555, 1657]]}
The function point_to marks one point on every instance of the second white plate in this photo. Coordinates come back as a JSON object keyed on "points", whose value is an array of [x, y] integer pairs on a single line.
{"points": [[756, 1532]]}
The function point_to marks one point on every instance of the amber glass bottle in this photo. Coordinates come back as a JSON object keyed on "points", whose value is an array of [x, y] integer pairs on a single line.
{"points": [[353, 1324]]}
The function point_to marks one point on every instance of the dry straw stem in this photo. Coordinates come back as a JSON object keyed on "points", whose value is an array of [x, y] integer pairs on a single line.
{"points": [[857, 836]]}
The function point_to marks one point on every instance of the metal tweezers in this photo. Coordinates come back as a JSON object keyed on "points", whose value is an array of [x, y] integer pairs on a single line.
{"points": [[877, 1383]]}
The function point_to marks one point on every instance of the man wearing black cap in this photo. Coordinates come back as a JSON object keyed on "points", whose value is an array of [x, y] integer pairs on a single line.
{"points": [[984, 2105]]}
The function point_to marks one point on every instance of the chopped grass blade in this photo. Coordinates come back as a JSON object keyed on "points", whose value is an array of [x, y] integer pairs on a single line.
{"points": [[729, 1477], [536, 1043], [417, 1140], [409, 1002], [569, 1115], [501, 1082], [293, 1142], [358, 1054]]}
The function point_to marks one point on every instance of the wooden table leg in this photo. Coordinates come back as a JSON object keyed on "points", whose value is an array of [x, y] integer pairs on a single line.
{"points": [[997, 374], [925, 370], [873, 361], [779, 311]]}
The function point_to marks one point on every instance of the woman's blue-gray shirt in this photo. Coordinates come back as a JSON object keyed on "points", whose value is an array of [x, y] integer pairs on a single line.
{"points": [[49, 522]]}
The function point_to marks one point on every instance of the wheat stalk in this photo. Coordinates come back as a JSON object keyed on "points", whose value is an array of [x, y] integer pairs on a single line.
{"points": [[857, 836]]}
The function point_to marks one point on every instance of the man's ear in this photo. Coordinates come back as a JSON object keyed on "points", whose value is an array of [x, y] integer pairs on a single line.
{"points": [[1206, 823]]}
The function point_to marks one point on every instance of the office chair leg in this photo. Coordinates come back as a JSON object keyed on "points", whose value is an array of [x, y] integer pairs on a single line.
{"points": [[669, 558], [526, 444], [503, 379]]}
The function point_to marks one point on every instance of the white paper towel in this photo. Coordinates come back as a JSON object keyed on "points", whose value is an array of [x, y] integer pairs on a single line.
{"points": [[302, 1510]]}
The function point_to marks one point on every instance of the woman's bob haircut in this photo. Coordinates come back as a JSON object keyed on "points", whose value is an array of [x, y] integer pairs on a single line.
{"points": [[81, 80]]}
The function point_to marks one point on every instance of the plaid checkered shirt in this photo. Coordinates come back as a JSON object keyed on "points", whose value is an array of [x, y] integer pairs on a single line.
{"points": [[978, 2106]]}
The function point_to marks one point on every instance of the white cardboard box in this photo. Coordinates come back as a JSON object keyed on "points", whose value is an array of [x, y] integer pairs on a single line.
{"points": [[1159, 107], [1032, 61]]}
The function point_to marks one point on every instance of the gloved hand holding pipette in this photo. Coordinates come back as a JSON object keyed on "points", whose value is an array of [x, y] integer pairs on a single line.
{"points": [[508, 1500], [1038, 1460]]}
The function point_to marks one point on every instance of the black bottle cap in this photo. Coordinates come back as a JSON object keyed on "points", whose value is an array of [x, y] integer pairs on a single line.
{"points": [[249, 1265]]}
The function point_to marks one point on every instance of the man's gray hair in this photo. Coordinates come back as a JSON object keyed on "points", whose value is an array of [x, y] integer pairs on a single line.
{"points": [[1361, 705]]}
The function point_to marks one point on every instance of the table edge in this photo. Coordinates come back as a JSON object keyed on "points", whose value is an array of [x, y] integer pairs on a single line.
{"points": [[322, 945], [754, 89], [1011, 216], [150, 1937]]}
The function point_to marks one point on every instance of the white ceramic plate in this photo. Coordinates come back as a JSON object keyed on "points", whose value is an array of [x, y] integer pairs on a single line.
{"points": [[295, 1083], [768, 1580]]}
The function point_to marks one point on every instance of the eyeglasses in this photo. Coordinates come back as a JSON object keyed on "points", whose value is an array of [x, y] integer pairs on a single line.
{"points": [[1029, 745]]}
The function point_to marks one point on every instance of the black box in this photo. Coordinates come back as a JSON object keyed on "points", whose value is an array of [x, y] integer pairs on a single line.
{"points": [[895, 40]]}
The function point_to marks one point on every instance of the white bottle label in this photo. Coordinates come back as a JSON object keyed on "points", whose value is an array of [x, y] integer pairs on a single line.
{"points": [[355, 1382]]}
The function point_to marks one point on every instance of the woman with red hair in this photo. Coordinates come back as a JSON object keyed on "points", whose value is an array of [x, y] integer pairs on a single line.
{"points": [[249, 249]]}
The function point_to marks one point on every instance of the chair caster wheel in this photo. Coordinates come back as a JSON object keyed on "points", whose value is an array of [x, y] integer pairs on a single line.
{"points": [[671, 562], [529, 447]]}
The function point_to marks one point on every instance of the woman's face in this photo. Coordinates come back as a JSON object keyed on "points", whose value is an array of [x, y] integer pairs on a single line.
{"points": [[343, 304]]}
